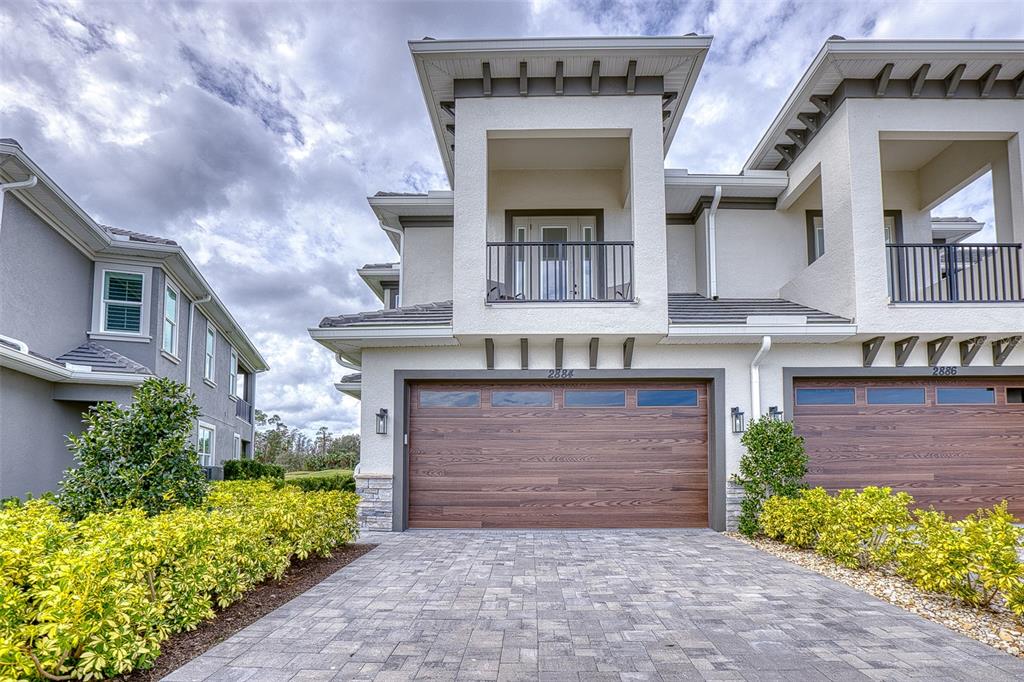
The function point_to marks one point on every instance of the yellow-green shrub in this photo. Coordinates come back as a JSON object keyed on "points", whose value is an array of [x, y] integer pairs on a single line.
{"points": [[973, 559], [797, 520], [96, 598], [859, 531]]}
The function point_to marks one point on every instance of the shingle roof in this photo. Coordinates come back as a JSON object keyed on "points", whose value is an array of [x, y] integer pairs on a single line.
{"points": [[138, 236], [696, 309], [400, 194], [423, 314], [379, 266], [102, 358], [356, 378]]}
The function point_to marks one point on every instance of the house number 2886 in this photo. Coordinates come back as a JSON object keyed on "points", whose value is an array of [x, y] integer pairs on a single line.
{"points": [[561, 374]]}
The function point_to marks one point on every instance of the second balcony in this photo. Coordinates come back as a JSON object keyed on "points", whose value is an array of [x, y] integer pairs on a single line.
{"points": [[534, 272]]}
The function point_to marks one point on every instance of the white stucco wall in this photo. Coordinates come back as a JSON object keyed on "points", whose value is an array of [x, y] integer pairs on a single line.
{"points": [[427, 265], [681, 250], [638, 117]]}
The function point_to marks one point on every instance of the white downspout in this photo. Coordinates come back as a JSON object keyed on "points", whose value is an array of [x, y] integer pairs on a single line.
{"points": [[191, 335], [20, 184], [401, 261], [755, 377], [712, 245]]}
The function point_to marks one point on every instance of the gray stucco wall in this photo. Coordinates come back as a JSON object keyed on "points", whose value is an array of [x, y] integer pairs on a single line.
{"points": [[217, 408], [33, 429], [42, 277]]}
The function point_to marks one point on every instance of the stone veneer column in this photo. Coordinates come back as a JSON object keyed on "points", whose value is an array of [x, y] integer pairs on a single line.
{"points": [[733, 498], [375, 491]]}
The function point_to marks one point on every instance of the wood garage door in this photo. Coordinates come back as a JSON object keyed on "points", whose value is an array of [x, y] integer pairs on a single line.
{"points": [[954, 443], [558, 455]]}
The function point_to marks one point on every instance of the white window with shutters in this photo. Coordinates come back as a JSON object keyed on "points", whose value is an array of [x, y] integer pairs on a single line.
{"points": [[121, 302]]}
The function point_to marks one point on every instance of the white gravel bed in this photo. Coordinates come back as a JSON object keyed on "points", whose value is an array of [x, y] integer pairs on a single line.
{"points": [[995, 626]]}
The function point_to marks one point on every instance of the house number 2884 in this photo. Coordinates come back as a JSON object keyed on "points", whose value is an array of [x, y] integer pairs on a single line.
{"points": [[561, 374]]}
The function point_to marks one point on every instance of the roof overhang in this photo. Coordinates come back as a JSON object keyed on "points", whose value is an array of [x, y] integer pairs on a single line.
{"points": [[376, 275], [955, 230], [840, 60], [390, 209], [753, 333], [676, 60], [49, 201], [684, 191], [350, 341], [353, 389], [49, 370]]}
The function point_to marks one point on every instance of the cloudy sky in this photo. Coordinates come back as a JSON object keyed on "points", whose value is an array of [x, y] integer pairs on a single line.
{"points": [[252, 132]]}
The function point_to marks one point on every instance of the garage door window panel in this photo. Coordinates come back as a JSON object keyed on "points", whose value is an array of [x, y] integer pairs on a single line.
{"points": [[595, 398], [825, 396], [521, 399], [962, 395], [450, 399], [890, 395], [666, 398]]}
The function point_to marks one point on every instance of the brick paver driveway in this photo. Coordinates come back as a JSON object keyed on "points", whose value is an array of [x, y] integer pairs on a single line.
{"points": [[589, 605]]}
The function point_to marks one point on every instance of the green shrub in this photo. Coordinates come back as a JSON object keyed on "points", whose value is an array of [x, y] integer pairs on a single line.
{"points": [[974, 559], [798, 520], [250, 470], [774, 464], [861, 530], [94, 599], [342, 482], [136, 456], [330, 460]]}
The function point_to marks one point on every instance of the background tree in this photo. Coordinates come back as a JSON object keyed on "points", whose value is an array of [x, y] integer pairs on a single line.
{"points": [[138, 455]]}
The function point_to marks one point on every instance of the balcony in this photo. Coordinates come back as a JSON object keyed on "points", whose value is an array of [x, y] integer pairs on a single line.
{"points": [[243, 410], [954, 273], [535, 272]]}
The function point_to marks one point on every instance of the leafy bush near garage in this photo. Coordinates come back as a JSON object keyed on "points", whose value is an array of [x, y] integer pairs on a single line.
{"points": [[94, 598], [797, 520], [250, 470], [137, 455], [973, 560], [774, 465], [862, 527], [342, 482]]}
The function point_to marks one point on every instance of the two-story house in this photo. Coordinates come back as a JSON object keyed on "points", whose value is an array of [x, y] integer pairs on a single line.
{"points": [[583, 334], [87, 313]]}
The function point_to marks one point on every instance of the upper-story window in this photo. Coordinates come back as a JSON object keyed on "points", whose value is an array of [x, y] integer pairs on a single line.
{"points": [[123, 302], [209, 366], [233, 376], [169, 344], [391, 296], [815, 236]]}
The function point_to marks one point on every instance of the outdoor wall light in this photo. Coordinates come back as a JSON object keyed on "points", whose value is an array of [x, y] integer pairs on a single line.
{"points": [[775, 413], [382, 421], [738, 423]]}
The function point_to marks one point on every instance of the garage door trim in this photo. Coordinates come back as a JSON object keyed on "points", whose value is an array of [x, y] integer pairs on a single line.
{"points": [[789, 374], [716, 422]]}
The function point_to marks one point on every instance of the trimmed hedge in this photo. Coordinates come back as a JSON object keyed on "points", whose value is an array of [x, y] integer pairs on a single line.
{"points": [[94, 599], [342, 482], [974, 560], [250, 470]]}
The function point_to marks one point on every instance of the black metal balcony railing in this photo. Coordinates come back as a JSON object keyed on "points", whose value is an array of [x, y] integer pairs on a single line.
{"points": [[243, 410], [954, 273], [559, 271]]}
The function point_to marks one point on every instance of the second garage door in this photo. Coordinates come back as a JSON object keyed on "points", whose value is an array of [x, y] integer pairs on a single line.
{"points": [[954, 443], [558, 455]]}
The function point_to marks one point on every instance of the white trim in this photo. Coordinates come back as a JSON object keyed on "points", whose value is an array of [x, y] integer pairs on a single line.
{"points": [[839, 330], [127, 338], [233, 373], [391, 332], [175, 323], [170, 358], [210, 355], [213, 444], [237, 452], [99, 303]]}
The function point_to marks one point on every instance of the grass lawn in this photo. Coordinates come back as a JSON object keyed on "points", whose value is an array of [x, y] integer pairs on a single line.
{"points": [[325, 472]]}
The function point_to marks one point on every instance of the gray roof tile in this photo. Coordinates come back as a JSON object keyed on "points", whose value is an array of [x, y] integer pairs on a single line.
{"points": [[423, 314], [356, 378], [102, 358], [400, 194], [138, 236], [696, 309]]}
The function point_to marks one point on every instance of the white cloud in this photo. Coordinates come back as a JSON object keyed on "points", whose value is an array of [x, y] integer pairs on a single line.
{"points": [[252, 132]]}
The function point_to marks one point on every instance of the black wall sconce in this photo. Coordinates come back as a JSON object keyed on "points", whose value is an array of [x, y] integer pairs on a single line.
{"points": [[775, 413], [738, 423], [382, 421]]}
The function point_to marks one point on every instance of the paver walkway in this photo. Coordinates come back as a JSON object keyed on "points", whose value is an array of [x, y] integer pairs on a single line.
{"points": [[589, 605]]}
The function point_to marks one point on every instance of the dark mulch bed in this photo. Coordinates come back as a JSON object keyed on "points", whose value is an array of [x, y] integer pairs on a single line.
{"points": [[181, 648]]}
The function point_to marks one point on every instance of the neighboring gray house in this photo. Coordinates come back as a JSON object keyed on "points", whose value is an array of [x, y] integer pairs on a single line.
{"points": [[88, 312]]}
